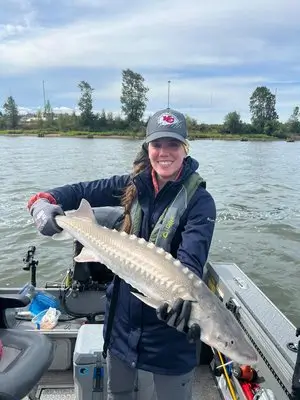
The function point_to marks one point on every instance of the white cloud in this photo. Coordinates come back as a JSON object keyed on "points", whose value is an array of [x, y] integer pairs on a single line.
{"points": [[7, 30], [168, 34], [20, 19], [24, 110], [158, 39], [63, 110], [56, 110], [88, 4]]}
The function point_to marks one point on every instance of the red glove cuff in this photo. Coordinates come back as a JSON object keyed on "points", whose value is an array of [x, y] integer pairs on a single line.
{"points": [[41, 195]]}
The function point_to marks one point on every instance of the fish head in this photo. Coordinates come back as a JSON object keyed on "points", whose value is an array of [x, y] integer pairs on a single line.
{"points": [[242, 353], [220, 329], [231, 341]]}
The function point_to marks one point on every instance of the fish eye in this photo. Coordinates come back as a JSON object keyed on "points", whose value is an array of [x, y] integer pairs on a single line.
{"points": [[226, 344]]}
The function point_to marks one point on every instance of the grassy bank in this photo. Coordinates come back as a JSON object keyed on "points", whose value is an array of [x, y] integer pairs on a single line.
{"points": [[194, 135], [219, 136], [41, 133]]}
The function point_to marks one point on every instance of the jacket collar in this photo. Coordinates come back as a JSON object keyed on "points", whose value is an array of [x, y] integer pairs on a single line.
{"points": [[155, 180]]}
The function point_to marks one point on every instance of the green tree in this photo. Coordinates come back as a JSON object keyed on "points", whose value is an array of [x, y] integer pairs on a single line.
{"points": [[233, 123], [48, 114], [102, 120], [40, 119], [11, 113], [191, 123], [120, 123], [2, 121], [293, 123], [247, 128], [85, 105], [110, 121], [64, 122], [133, 97], [263, 110], [74, 122]]}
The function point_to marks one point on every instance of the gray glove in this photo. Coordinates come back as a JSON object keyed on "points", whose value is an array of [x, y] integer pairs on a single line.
{"points": [[44, 214]]}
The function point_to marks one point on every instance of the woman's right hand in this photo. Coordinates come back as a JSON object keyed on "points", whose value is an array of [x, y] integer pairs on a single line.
{"points": [[178, 317], [43, 214]]}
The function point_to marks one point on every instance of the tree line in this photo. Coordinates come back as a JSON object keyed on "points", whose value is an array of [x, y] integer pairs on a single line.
{"points": [[133, 99]]}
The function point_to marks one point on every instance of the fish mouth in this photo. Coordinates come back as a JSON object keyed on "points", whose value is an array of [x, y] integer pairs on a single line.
{"points": [[244, 359], [243, 356]]}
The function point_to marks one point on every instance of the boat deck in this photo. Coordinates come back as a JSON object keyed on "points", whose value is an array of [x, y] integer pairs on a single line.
{"points": [[204, 386], [268, 329], [58, 384]]}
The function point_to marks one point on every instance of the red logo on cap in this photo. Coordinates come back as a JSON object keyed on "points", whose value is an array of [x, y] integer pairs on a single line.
{"points": [[167, 119]]}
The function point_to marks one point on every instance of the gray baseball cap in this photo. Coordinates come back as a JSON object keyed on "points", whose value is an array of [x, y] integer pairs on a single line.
{"points": [[167, 123]]}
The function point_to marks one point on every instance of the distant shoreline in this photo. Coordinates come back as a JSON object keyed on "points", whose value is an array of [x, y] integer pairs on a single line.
{"points": [[131, 136]]}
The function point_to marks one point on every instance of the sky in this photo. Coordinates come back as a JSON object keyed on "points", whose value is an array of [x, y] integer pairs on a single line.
{"points": [[214, 53]]}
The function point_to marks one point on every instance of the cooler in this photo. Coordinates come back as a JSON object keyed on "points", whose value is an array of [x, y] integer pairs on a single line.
{"points": [[89, 367]]}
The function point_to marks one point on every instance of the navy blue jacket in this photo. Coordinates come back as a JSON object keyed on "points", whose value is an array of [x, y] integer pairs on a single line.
{"points": [[138, 337]]}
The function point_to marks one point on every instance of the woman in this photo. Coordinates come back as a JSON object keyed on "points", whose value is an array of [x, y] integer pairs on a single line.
{"points": [[166, 202]]}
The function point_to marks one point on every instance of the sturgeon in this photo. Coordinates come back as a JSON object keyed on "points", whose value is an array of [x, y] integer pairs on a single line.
{"points": [[158, 277]]}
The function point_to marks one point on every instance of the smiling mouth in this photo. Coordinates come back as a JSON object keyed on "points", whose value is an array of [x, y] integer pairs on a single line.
{"points": [[165, 163]]}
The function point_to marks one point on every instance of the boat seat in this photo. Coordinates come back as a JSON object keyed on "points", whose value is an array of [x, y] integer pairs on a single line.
{"points": [[26, 354]]}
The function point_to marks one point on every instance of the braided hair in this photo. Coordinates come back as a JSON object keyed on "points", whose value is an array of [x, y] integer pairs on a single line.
{"points": [[140, 163]]}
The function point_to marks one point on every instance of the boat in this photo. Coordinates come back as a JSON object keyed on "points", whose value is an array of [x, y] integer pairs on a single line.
{"points": [[66, 362]]}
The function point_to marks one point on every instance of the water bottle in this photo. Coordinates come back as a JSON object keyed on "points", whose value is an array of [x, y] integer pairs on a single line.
{"points": [[28, 290]]}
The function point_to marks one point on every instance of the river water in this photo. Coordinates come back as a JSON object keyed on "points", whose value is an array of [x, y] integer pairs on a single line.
{"points": [[256, 186]]}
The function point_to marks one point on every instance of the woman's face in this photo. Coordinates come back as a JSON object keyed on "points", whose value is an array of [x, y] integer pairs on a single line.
{"points": [[166, 156]]}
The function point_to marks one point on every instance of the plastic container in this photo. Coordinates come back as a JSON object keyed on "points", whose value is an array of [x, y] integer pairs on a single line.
{"points": [[28, 290], [42, 301], [46, 319]]}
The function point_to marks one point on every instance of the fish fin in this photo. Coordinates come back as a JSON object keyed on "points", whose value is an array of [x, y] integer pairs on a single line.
{"points": [[63, 235], [83, 211], [86, 255], [147, 300], [188, 297]]}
